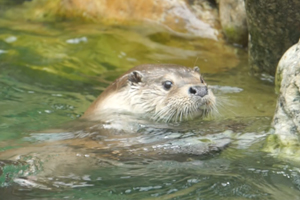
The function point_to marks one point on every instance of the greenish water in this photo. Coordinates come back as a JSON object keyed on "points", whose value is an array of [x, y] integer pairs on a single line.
{"points": [[51, 72]]}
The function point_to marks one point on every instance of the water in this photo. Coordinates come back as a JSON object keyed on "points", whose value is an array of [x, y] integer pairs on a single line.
{"points": [[51, 72]]}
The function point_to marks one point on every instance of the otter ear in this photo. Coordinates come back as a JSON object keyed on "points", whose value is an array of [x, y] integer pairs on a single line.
{"points": [[135, 77], [196, 69]]}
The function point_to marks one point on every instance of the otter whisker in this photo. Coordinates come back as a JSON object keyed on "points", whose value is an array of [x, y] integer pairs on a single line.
{"points": [[163, 114], [171, 116]]}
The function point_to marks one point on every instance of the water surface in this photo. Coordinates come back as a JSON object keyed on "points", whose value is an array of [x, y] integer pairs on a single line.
{"points": [[51, 72]]}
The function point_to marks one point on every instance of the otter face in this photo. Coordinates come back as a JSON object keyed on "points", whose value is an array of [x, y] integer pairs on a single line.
{"points": [[170, 93]]}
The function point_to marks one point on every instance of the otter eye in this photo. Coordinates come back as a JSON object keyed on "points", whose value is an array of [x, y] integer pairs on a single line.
{"points": [[167, 85]]}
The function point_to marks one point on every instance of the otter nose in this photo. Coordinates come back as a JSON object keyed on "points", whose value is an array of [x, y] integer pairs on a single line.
{"points": [[198, 90]]}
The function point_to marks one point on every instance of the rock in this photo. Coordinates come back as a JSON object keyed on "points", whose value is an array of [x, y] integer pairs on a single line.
{"points": [[199, 19], [273, 27], [234, 22], [206, 11], [286, 120]]}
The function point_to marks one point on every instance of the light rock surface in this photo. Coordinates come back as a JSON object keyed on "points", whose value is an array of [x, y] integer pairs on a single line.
{"points": [[198, 17], [286, 120]]}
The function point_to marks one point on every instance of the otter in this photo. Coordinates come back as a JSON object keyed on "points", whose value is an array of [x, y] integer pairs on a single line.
{"points": [[160, 92]]}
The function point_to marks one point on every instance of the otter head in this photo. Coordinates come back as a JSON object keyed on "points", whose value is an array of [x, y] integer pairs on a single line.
{"points": [[166, 93]]}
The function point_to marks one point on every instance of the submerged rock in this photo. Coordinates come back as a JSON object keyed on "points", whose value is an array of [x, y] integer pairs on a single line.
{"points": [[202, 18]]}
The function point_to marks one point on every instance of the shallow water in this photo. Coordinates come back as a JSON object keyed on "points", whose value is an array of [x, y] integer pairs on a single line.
{"points": [[51, 72]]}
